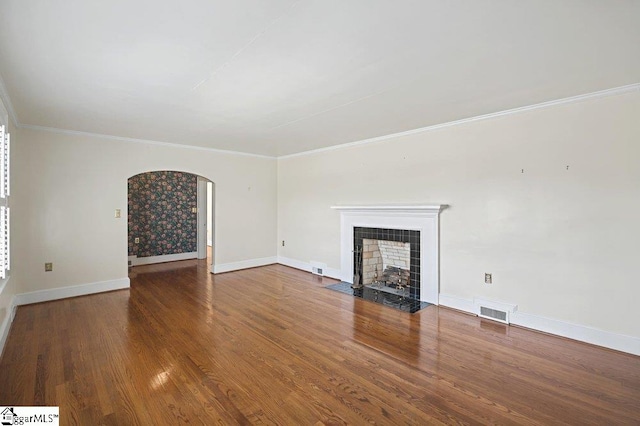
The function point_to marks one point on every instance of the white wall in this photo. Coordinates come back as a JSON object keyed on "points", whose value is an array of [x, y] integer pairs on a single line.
{"points": [[72, 184], [561, 244]]}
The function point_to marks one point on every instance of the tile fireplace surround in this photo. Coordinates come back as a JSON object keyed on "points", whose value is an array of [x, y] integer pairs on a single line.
{"points": [[422, 218]]}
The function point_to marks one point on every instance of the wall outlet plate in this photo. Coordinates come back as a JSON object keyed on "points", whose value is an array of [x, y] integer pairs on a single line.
{"points": [[117, 214], [48, 267], [488, 278]]}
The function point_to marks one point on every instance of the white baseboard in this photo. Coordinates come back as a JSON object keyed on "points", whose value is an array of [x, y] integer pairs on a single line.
{"points": [[583, 333], [72, 291], [136, 261], [6, 324], [456, 302], [244, 264], [306, 266]]}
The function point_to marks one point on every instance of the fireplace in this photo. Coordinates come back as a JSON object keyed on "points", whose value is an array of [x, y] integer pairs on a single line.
{"points": [[416, 225], [387, 259]]}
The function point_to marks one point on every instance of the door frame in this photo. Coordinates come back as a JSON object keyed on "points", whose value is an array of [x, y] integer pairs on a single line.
{"points": [[202, 217]]}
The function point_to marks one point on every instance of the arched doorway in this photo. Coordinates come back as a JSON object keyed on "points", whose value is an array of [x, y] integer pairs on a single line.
{"points": [[170, 216]]}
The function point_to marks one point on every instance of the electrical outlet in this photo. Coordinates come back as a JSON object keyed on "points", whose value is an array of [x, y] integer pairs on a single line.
{"points": [[48, 267], [487, 278], [282, 243], [136, 240], [117, 214]]}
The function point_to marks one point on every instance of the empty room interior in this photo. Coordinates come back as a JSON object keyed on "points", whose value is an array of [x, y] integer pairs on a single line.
{"points": [[311, 212]]}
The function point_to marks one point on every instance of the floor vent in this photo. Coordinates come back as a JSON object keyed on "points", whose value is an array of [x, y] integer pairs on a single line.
{"points": [[495, 314], [131, 260], [317, 268], [497, 311]]}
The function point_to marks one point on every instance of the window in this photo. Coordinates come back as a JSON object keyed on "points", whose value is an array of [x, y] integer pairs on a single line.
{"points": [[5, 189], [5, 139]]}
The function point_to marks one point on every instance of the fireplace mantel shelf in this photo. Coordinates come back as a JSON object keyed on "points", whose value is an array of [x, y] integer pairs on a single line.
{"points": [[387, 207]]}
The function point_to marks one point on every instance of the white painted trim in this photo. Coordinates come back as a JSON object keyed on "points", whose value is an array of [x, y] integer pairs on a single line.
{"points": [[572, 99], [8, 319], [71, 291], [163, 258], [295, 263], [423, 218], [494, 304], [458, 303], [201, 217], [399, 208], [144, 141], [306, 266], [582, 333], [6, 324], [244, 264]]}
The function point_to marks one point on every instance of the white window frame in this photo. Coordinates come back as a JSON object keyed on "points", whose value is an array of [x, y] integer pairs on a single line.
{"points": [[5, 190]]}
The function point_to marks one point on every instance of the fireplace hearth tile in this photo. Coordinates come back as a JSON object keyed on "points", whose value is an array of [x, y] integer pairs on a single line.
{"points": [[388, 299]]}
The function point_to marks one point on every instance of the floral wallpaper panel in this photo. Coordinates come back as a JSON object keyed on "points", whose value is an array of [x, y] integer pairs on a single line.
{"points": [[160, 213]]}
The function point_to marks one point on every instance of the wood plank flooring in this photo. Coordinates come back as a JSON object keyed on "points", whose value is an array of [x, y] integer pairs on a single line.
{"points": [[270, 345]]}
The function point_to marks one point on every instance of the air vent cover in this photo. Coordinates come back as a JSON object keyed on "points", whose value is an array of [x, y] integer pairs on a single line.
{"points": [[497, 311], [495, 314], [317, 268]]}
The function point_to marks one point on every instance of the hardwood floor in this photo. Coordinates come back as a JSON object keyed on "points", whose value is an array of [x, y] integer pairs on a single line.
{"points": [[271, 345]]}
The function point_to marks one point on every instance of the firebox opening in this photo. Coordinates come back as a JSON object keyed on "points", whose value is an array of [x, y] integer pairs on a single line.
{"points": [[386, 263]]}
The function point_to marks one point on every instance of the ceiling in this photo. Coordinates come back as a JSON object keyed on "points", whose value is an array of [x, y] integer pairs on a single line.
{"points": [[277, 77]]}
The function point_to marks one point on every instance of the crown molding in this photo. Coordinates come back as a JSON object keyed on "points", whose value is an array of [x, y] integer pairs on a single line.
{"points": [[572, 99], [143, 141]]}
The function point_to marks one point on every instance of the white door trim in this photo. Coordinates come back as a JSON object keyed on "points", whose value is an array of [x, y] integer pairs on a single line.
{"points": [[202, 217]]}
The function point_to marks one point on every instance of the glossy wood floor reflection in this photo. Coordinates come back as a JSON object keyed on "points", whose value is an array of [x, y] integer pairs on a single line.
{"points": [[271, 345]]}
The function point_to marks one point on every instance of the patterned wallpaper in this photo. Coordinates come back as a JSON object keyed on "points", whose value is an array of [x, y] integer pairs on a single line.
{"points": [[160, 214]]}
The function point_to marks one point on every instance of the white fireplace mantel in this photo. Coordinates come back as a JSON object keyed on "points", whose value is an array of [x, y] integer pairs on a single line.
{"points": [[423, 218], [434, 208]]}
